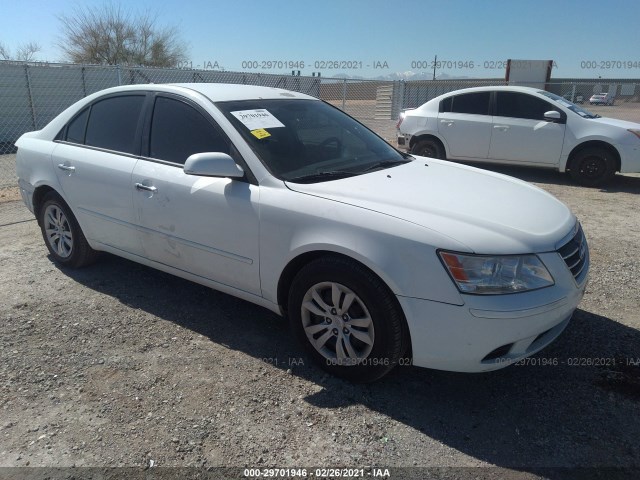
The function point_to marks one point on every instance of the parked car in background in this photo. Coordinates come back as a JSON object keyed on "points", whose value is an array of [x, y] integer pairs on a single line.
{"points": [[281, 199], [602, 99], [522, 126], [574, 97]]}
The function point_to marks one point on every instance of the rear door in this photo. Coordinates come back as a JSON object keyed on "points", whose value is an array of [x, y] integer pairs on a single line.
{"points": [[94, 159], [520, 132], [464, 123]]}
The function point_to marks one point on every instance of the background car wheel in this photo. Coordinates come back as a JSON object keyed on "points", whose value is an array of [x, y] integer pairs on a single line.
{"points": [[347, 319], [428, 148], [592, 167], [62, 234]]}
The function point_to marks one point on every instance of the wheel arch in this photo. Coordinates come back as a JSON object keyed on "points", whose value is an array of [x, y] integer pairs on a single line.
{"points": [[299, 261], [595, 144], [38, 196], [428, 136]]}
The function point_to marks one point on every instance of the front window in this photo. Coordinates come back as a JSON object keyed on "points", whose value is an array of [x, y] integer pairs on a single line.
{"points": [[567, 104], [179, 130], [308, 140], [521, 105]]}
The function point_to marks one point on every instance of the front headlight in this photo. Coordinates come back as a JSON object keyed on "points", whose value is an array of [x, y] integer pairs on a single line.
{"points": [[496, 274]]}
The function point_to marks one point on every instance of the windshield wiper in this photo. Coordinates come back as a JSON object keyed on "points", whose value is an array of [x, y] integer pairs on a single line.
{"points": [[325, 175], [385, 164]]}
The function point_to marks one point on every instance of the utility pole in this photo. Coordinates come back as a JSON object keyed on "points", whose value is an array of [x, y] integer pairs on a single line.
{"points": [[435, 62]]}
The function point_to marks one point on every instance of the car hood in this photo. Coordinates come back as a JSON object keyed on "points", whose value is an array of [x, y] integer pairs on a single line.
{"points": [[616, 123], [483, 211]]}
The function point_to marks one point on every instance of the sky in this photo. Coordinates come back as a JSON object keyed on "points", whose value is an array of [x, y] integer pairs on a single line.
{"points": [[360, 38]]}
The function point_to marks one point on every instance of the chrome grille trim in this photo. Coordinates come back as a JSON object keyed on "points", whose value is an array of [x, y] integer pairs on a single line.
{"points": [[575, 253]]}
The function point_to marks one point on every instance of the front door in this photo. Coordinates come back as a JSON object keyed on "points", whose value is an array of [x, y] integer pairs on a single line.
{"points": [[202, 225], [520, 132]]}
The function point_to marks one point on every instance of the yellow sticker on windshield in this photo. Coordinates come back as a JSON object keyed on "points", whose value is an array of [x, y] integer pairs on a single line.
{"points": [[260, 133]]}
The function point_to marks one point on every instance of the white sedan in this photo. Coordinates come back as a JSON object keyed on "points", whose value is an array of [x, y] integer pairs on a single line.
{"points": [[378, 258], [522, 126]]}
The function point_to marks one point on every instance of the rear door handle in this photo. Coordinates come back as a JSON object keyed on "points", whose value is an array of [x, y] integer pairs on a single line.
{"points": [[66, 168], [147, 188], [447, 122], [504, 128]]}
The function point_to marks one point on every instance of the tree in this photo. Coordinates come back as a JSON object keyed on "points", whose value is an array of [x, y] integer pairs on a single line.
{"points": [[114, 36], [24, 53]]}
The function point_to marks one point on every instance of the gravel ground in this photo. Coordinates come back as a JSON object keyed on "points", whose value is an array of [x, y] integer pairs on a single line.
{"points": [[120, 365]]}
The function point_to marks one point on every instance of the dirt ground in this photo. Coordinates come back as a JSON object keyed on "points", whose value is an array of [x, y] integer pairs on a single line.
{"points": [[121, 365]]}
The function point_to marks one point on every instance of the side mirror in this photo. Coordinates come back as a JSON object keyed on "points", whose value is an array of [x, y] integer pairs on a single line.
{"points": [[552, 116], [212, 164]]}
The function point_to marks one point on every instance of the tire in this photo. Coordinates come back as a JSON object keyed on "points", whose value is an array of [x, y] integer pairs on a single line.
{"points": [[593, 167], [429, 148], [362, 343], [62, 234]]}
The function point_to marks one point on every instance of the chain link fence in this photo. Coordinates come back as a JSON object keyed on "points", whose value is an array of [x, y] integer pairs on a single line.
{"points": [[31, 94]]}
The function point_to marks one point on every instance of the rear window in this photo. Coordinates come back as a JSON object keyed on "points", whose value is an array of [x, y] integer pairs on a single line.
{"points": [[471, 103], [113, 123]]}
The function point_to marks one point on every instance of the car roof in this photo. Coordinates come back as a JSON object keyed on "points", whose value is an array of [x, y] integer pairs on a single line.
{"points": [[216, 92], [505, 88]]}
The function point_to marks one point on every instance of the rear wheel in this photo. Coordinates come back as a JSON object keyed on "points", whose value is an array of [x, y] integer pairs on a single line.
{"points": [[347, 319], [428, 148], [62, 234], [592, 167]]}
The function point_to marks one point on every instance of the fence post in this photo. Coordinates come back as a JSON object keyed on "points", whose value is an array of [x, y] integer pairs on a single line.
{"points": [[397, 101], [31, 104], [119, 73], [344, 93], [84, 83]]}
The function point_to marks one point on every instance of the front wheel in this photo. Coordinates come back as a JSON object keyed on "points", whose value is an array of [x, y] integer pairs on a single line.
{"points": [[592, 167], [62, 234], [347, 319]]}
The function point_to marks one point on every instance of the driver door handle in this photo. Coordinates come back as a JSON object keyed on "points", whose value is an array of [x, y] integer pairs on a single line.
{"points": [[147, 188]]}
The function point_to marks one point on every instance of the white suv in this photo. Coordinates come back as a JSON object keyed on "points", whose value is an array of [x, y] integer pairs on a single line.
{"points": [[521, 126]]}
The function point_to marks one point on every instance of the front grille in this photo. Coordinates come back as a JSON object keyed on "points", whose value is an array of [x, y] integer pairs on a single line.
{"points": [[574, 253]]}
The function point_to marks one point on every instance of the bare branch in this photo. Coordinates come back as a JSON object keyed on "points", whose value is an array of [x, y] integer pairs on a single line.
{"points": [[5, 54], [24, 53], [112, 35], [27, 51]]}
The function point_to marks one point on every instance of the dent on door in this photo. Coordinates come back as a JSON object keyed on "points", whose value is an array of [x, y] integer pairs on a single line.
{"points": [[203, 225]]}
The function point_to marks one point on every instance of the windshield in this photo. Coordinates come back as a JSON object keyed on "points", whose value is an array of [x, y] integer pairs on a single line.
{"points": [[309, 140], [567, 104]]}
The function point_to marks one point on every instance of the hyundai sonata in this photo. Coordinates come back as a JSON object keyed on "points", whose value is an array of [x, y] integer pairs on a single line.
{"points": [[375, 256]]}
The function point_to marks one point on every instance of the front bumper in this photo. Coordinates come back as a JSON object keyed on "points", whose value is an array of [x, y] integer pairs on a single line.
{"points": [[491, 332], [629, 157]]}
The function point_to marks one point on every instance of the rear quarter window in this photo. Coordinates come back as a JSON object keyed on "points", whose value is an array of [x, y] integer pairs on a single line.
{"points": [[78, 127]]}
